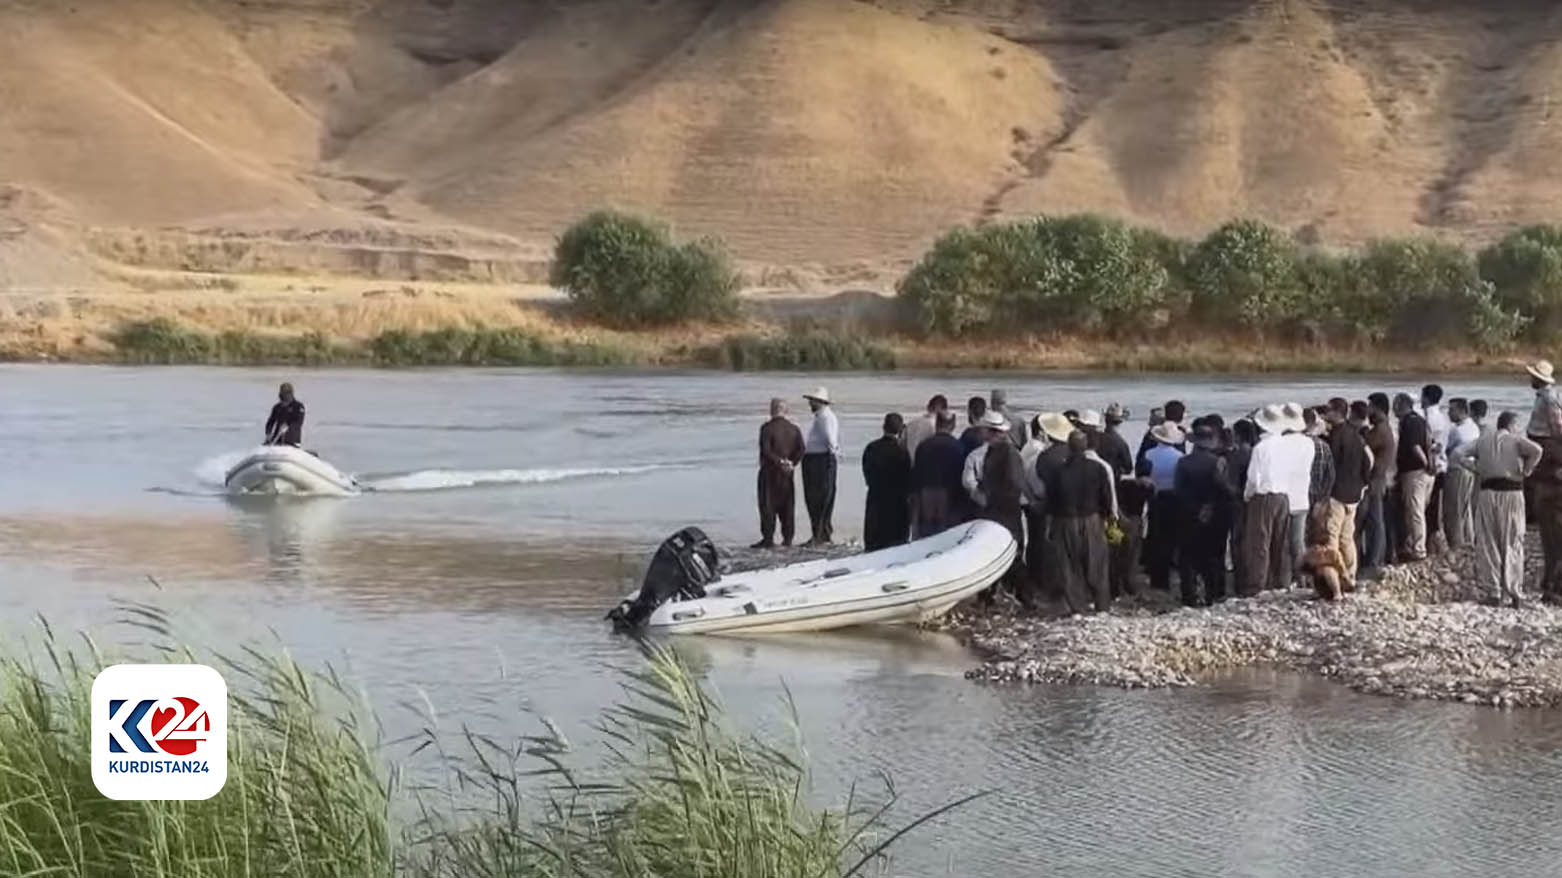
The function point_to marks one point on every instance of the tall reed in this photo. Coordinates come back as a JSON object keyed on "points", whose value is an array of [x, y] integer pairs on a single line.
{"points": [[311, 792]]}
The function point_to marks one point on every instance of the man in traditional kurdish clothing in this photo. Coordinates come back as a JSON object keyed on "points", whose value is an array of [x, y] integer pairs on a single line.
{"points": [[1500, 461], [1079, 496], [780, 451], [1545, 430]]}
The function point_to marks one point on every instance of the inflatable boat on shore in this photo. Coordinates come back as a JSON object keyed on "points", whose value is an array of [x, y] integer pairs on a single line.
{"points": [[912, 583], [283, 469]]}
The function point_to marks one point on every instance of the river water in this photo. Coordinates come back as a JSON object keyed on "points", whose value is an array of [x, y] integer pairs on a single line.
{"points": [[514, 506]]}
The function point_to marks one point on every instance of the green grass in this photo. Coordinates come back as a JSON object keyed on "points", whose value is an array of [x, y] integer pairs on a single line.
{"points": [[490, 347], [164, 342], [803, 351], [311, 790]]}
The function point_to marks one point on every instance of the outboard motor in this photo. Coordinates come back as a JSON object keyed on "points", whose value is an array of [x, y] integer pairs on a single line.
{"points": [[681, 568]]}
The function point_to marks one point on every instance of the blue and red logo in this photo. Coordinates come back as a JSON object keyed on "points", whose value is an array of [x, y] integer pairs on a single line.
{"points": [[170, 727]]}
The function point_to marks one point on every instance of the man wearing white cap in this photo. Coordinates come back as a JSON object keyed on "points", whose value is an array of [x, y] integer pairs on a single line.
{"points": [[1545, 429], [821, 450]]}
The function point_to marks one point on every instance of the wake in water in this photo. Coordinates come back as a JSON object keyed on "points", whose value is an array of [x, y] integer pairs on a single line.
{"points": [[212, 471], [445, 479]]}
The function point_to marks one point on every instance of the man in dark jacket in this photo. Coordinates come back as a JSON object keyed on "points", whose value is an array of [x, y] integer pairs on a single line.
{"points": [[886, 467], [1079, 498], [1382, 524], [1352, 472], [285, 426], [1112, 447], [780, 451], [1202, 492], [935, 477], [1002, 485]]}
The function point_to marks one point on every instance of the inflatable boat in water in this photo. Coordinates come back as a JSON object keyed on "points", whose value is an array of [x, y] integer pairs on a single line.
{"points": [[283, 469], [912, 583]]}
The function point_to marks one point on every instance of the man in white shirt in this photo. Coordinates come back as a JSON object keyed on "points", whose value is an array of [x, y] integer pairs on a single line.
{"points": [[1438, 427], [924, 427], [1459, 486], [821, 451], [1278, 477], [1500, 461]]}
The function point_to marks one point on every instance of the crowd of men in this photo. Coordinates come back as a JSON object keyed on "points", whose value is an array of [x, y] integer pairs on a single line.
{"points": [[1326, 494]]}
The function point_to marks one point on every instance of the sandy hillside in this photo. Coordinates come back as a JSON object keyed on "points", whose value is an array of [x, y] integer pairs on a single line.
{"points": [[452, 140]]}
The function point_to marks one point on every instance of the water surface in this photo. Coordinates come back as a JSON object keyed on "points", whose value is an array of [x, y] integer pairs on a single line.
{"points": [[516, 505]]}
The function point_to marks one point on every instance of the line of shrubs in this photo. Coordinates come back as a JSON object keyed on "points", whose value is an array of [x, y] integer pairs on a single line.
{"points": [[1087, 273]]}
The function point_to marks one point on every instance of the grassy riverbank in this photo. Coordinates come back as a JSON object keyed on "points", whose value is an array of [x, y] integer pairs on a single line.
{"points": [[476, 331], [313, 790]]}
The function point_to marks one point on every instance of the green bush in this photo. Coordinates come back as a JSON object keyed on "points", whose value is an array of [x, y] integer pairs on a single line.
{"points": [[809, 351], [488, 347], [1080, 272], [161, 341], [1525, 268], [626, 271], [1419, 289], [1246, 272]]}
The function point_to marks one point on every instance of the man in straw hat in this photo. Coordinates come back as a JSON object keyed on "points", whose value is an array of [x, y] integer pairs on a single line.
{"points": [[999, 492], [1272, 472], [1545, 429], [1112, 447], [1500, 461], [821, 450], [1079, 497], [1054, 429], [1161, 543], [780, 450]]}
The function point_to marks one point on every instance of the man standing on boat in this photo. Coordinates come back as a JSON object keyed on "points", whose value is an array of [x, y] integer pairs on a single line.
{"points": [[821, 450], [286, 424], [780, 450], [887, 470]]}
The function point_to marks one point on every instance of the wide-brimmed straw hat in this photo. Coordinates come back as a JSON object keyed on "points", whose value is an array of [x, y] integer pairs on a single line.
{"points": [[820, 395], [1271, 419], [1055, 427], [1543, 370], [1168, 434], [1294, 419], [1090, 418], [994, 421]]}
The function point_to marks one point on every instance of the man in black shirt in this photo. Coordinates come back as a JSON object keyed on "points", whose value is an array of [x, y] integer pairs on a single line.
{"points": [[286, 424], [935, 477], [974, 435], [1352, 473], [1202, 491], [1113, 448], [1413, 458], [1079, 497], [1133, 495], [886, 468]]}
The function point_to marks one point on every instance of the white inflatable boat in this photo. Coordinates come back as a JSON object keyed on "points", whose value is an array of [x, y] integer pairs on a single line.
{"points": [[283, 469], [905, 584]]}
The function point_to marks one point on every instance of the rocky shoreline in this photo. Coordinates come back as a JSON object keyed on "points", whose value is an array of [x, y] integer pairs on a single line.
{"points": [[1419, 632]]}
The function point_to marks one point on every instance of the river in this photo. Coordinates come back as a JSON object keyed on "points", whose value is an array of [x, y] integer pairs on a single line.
{"points": [[514, 506]]}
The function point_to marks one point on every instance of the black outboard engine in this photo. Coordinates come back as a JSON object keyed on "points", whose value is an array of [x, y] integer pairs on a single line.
{"points": [[681, 568]]}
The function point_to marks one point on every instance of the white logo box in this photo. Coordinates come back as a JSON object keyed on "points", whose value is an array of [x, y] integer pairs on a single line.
{"points": [[159, 732]]}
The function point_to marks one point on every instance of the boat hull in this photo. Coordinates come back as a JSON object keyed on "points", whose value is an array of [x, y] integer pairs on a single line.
{"points": [[282, 469], [903, 585]]}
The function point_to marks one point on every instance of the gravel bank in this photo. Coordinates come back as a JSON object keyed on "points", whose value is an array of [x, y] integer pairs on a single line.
{"points": [[1419, 633]]}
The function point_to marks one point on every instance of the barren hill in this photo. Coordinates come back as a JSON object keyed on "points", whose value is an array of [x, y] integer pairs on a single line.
{"points": [[462, 135]]}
